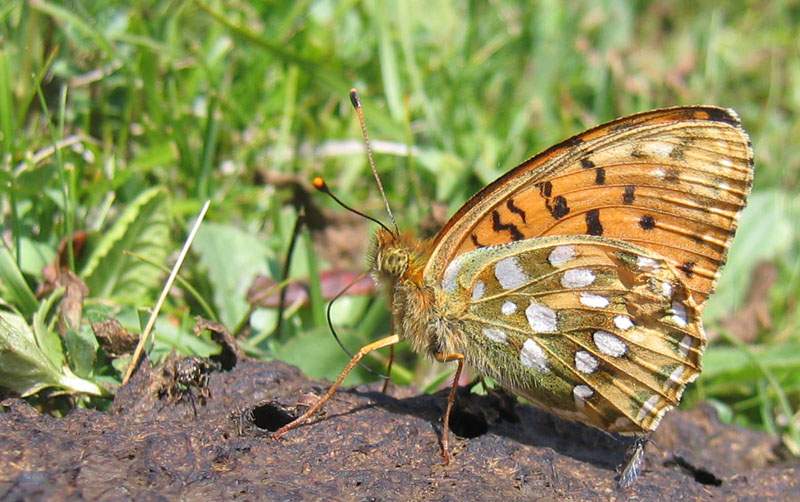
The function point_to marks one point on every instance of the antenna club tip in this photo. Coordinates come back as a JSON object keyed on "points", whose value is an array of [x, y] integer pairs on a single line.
{"points": [[319, 184], [355, 99]]}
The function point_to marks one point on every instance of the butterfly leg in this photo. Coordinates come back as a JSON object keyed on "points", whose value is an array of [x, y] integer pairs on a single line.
{"points": [[450, 400], [388, 369], [633, 465], [383, 342]]}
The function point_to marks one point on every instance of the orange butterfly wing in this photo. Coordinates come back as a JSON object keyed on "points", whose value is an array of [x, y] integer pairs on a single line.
{"points": [[673, 181]]}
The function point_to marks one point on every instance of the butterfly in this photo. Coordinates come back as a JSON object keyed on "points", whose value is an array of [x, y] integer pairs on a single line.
{"points": [[577, 279]]}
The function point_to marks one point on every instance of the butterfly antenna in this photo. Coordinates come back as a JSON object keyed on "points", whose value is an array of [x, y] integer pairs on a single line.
{"points": [[320, 185], [336, 335], [357, 105]]}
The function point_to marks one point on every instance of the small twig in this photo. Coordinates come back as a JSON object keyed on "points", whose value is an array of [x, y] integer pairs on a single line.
{"points": [[164, 292], [44, 153]]}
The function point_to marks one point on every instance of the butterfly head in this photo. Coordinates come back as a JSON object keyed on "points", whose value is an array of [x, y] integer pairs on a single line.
{"points": [[389, 256], [395, 257]]}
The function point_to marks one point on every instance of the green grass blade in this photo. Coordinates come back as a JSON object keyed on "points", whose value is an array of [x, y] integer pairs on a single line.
{"points": [[13, 285]]}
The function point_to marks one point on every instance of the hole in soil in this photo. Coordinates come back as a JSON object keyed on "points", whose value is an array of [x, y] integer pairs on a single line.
{"points": [[271, 416], [699, 474], [468, 425]]}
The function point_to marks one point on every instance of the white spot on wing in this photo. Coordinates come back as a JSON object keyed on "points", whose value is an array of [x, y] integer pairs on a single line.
{"points": [[679, 314], [532, 355], [509, 274], [687, 343], [585, 362], [726, 163], [495, 335], [508, 308], [674, 378], [581, 393], [577, 278], [667, 289], [541, 318], [659, 149], [648, 407], [609, 344], [647, 264], [561, 255], [623, 322], [478, 290], [594, 301], [450, 275]]}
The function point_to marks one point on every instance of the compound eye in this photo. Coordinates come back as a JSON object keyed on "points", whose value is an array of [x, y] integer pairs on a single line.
{"points": [[396, 263]]}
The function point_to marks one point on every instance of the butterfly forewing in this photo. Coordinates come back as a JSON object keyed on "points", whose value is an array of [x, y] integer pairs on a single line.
{"points": [[588, 328], [672, 181]]}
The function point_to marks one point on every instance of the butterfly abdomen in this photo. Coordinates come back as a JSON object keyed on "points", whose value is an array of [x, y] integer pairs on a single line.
{"points": [[420, 320]]}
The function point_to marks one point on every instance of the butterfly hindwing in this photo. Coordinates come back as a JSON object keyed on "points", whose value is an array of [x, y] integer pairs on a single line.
{"points": [[672, 181], [588, 328]]}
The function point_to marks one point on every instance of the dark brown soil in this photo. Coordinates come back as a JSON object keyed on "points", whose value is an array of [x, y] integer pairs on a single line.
{"points": [[365, 446]]}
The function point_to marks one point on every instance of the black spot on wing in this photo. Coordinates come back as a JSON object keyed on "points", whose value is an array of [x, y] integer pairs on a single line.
{"points": [[499, 226], [514, 209], [475, 242], [722, 115], [672, 176], [593, 225], [647, 222], [637, 153], [678, 152], [572, 142], [688, 268], [586, 163], [558, 208], [629, 196], [599, 176], [623, 125], [546, 189], [557, 205]]}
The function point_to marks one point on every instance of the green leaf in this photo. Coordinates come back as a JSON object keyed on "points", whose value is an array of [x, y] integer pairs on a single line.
{"points": [[724, 411], [13, 286], [34, 256], [314, 283], [232, 257], [25, 369], [7, 124], [389, 67], [143, 228], [156, 155], [755, 242], [734, 364], [47, 340], [82, 349], [318, 356]]}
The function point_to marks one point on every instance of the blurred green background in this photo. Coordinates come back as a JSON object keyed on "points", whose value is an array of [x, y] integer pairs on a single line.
{"points": [[121, 120]]}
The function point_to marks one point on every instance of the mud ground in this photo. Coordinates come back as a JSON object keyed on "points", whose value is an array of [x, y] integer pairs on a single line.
{"points": [[214, 444]]}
